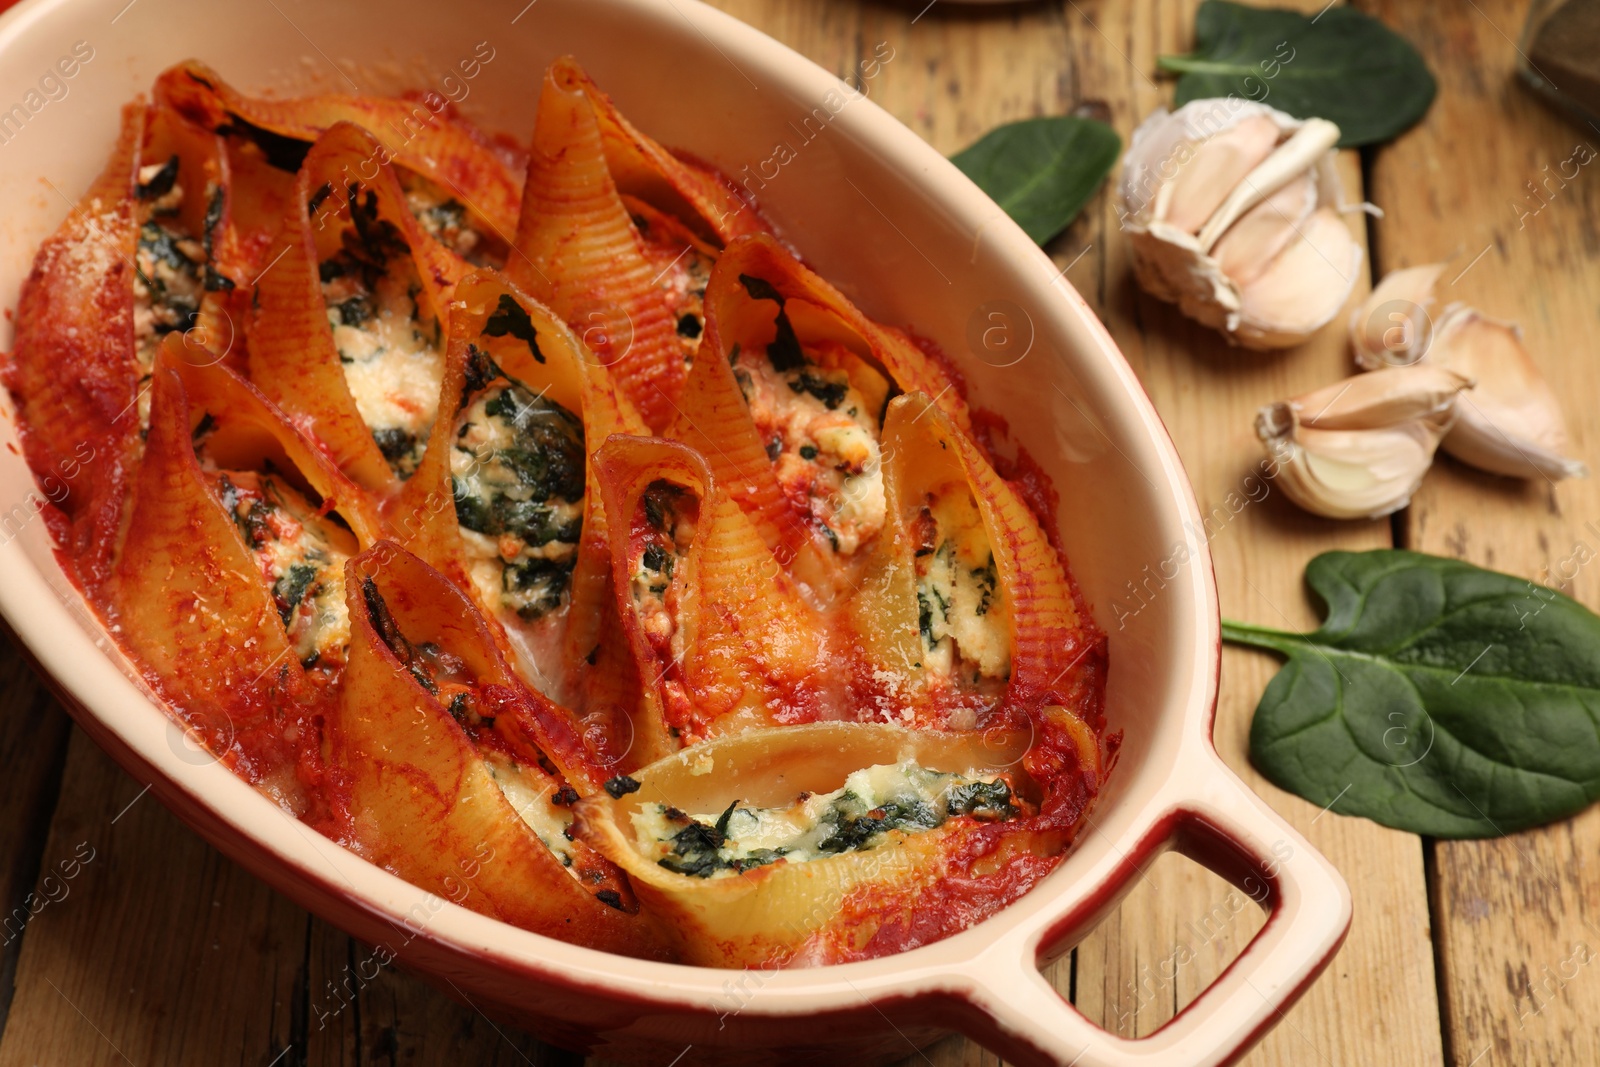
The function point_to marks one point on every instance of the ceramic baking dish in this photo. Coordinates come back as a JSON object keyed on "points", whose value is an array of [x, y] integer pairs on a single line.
{"points": [[906, 235]]}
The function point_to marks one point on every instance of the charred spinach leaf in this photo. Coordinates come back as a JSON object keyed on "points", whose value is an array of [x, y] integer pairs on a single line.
{"points": [[1436, 697], [509, 320], [784, 351]]}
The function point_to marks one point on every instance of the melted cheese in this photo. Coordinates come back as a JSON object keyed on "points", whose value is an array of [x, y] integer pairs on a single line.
{"points": [[872, 805], [962, 609], [301, 556], [822, 438], [533, 802], [391, 351]]}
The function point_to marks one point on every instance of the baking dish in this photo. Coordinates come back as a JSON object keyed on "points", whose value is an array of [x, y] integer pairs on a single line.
{"points": [[913, 242]]}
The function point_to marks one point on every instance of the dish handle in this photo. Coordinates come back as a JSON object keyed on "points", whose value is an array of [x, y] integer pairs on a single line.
{"points": [[1231, 831]]}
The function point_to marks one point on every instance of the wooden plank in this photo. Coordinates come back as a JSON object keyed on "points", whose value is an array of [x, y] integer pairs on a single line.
{"points": [[1515, 917], [1208, 395], [33, 748], [156, 949], [359, 1010], [956, 74]]}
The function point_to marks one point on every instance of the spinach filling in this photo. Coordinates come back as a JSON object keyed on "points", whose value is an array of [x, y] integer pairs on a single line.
{"points": [[872, 802], [667, 508], [517, 476], [830, 393], [784, 350], [168, 270], [290, 590], [299, 560], [389, 345]]}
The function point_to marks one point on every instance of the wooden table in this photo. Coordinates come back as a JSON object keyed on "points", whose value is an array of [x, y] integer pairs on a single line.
{"points": [[158, 951]]}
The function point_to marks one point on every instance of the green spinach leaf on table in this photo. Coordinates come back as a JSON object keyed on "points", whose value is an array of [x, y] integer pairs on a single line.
{"points": [[1042, 171], [1436, 697], [1340, 65]]}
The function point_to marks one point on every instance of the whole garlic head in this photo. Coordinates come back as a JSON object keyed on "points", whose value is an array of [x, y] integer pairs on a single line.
{"points": [[1233, 210], [1511, 422], [1358, 448]]}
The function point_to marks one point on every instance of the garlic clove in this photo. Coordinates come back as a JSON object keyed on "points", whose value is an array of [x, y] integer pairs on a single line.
{"points": [[1359, 448], [1303, 287], [1353, 474], [1511, 423], [1213, 169], [1381, 398], [1308, 146], [1392, 327], [1250, 245]]}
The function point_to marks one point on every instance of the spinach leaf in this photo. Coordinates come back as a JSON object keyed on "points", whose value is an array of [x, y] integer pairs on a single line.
{"points": [[510, 320], [1042, 171], [784, 351], [1340, 65], [1436, 697]]}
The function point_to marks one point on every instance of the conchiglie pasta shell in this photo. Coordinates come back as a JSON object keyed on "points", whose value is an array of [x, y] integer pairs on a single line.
{"points": [[798, 913], [414, 134], [1050, 629], [642, 168], [749, 651], [1058, 653], [72, 372], [188, 594], [422, 802], [577, 251], [207, 213], [714, 417], [293, 357], [604, 692]]}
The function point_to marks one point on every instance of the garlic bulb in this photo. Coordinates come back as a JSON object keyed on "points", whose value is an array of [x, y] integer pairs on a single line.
{"points": [[1359, 448], [1233, 210], [1510, 423]]}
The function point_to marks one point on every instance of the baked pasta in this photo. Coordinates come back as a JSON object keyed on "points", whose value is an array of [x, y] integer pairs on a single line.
{"points": [[528, 518]]}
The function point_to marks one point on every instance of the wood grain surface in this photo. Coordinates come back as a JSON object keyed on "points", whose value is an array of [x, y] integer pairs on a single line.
{"points": [[143, 946], [1480, 183]]}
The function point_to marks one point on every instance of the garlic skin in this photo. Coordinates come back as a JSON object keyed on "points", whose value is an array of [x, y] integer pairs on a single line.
{"points": [[1233, 211], [1511, 422], [1358, 449]]}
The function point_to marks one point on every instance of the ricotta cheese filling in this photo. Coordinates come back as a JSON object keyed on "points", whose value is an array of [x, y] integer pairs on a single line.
{"points": [[534, 804], [660, 566], [390, 348], [821, 435], [962, 610], [445, 219], [517, 473], [301, 555], [169, 279], [855, 817]]}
